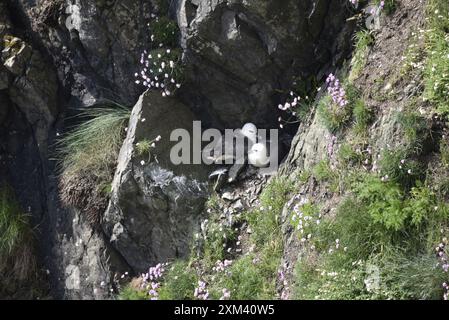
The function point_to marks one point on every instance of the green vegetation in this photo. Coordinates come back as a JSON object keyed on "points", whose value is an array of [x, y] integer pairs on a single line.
{"points": [[333, 116], [13, 223], [416, 130], [249, 276], [380, 243], [174, 54], [131, 293], [18, 268], [215, 240], [323, 172], [253, 276], [362, 117], [444, 151], [165, 31], [336, 117], [87, 155], [414, 55], [363, 40], [377, 228], [347, 156], [143, 148], [399, 166], [179, 283], [93, 145], [436, 74]]}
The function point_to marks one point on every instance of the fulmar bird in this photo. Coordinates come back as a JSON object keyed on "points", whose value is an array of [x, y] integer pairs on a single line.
{"points": [[258, 155], [235, 153]]}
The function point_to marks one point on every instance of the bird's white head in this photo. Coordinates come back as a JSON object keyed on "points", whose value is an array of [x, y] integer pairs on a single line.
{"points": [[249, 130]]}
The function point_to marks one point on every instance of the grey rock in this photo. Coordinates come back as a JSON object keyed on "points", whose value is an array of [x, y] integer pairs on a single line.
{"points": [[274, 41], [155, 207], [227, 196], [95, 45], [86, 261], [308, 147], [238, 205], [4, 79], [35, 92], [16, 56]]}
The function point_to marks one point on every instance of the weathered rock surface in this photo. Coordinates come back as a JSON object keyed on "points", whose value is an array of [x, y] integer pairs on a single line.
{"points": [[95, 45], [241, 54], [155, 206]]}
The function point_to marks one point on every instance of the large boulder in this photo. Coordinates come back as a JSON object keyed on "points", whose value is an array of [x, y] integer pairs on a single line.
{"points": [[241, 55], [155, 206], [95, 45]]}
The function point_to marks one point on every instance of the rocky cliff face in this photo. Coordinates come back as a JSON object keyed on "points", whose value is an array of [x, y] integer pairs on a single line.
{"points": [[155, 206], [240, 58], [242, 54]]}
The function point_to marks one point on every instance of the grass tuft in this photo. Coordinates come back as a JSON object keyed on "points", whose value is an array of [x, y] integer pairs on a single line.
{"points": [[18, 267], [363, 40], [87, 156], [436, 73]]}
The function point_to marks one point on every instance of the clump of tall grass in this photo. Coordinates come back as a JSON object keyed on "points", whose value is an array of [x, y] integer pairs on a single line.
{"points": [[436, 73], [17, 258], [363, 40], [87, 155]]}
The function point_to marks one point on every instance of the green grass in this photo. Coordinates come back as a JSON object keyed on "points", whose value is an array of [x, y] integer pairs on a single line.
{"points": [[444, 152], [266, 224], [18, 267], [143, 147], [93, 145], [414, 56], [400, 166], [436, 74], [332, 116], [165, 31], [416, 130], [13, 222], [247, 280], [363, 40], [317, 281], [335, 117], [130, 293], [179, 282], [380, 227], [405, 276], [362, 117], [322, 172], [217, 236], [347, 156], [87, 155]]}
